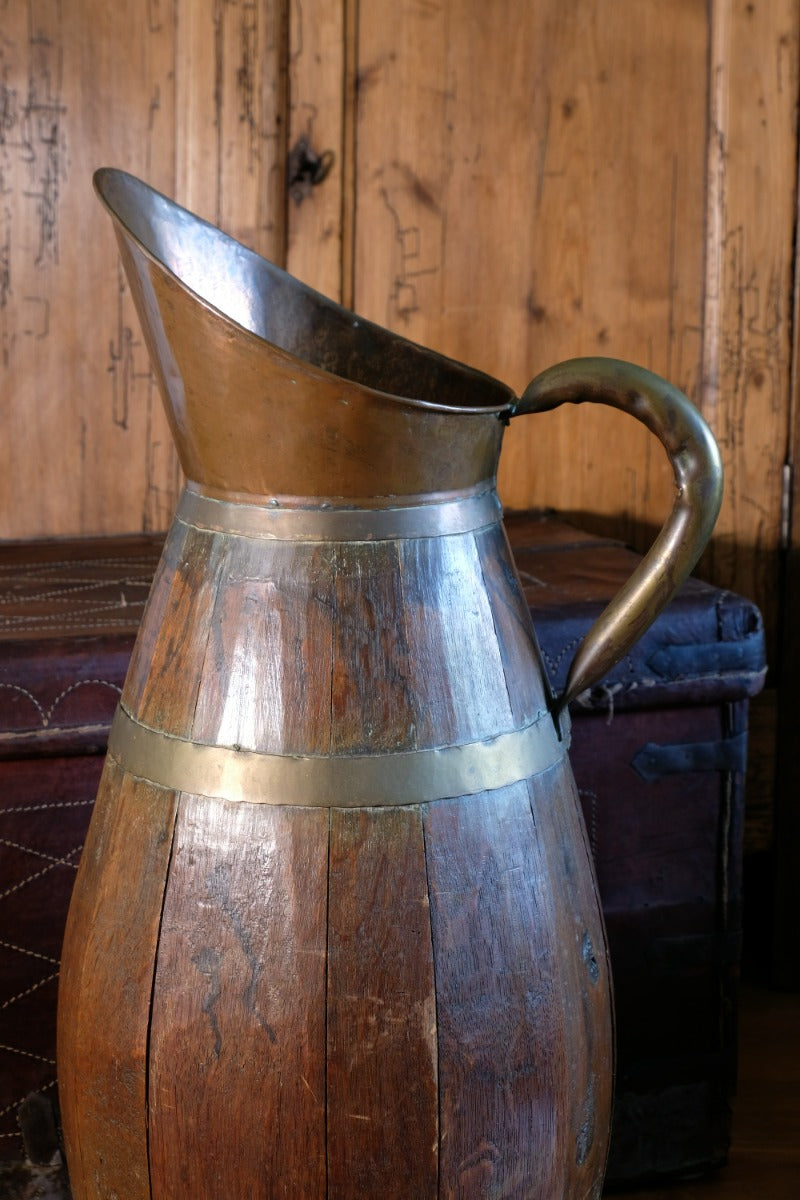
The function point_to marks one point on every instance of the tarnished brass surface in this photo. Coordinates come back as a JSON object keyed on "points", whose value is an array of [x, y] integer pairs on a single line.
{"points": [[273, 390], [345, 781], [698, 478], [313, 523], [270, 388]]}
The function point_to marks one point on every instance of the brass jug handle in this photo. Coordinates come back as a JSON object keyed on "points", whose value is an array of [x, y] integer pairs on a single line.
{"points": [[696, 463]]}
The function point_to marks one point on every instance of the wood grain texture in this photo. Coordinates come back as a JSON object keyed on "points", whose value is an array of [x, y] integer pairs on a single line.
{"points": [[105, 988], [511, 212], [747, 359], [382, 1054], [455, 667], [522, 664], [191, 97], [83, 86], [177, 656], [230, 131], [585, 983], [267, 685], [237, 1076], [159, 602], [373, 702], [507, 1052], [316, 116]]}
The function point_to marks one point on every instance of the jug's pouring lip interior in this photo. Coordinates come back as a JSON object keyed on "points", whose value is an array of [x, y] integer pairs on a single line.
{"points": [[268, 303]]}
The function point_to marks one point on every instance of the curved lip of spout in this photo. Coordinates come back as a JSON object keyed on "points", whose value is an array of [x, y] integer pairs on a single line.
{"points": [[251, 293]]}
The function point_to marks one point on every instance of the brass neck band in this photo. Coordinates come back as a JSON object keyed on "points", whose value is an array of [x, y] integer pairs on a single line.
{"points": [[362, 781], [321, 524]]}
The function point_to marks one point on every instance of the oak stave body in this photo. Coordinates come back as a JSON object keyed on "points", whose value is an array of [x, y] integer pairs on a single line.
{"points": [[314, 1000]]}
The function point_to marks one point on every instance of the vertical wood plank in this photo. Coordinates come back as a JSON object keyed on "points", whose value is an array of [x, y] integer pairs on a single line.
{"points": [[316, 115], [456, 671], [372, 703], [533, 198], [153, 618], [752, 154], [267, 681], [174, 666], [104, 997], [583, 969], [516, 639], [237, 1078], [382, 1072], [502, 1056], [85, 445], [231, 117]]}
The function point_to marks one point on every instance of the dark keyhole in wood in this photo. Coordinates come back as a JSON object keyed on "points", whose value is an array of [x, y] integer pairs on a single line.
{"points": [[307, 169]]}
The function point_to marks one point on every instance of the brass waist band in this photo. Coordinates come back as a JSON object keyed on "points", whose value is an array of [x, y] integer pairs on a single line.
{"points": [[361, 781], [320, 524]]}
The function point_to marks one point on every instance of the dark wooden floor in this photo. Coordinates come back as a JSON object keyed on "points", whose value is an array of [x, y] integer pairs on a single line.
{"points": [[765, 1152], [765, 1155]]}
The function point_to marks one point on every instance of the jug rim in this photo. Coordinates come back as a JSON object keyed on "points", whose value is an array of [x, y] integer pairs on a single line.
{"points": [[105, 176]]}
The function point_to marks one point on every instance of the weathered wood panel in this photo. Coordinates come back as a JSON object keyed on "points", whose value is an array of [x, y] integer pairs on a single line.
{"points": [[317, 105], [230, 129], [237, 1045], [268, 686], [752, 167], [523, 1107], [190, 97], [382, 1055], [85, 447], [526, 195], [166, 672]]}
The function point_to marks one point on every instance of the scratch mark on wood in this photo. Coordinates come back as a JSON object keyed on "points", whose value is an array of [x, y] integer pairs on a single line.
{"points": [[154, 21], [246, 80], [207, 962], [43, 142], [221, 892], [32, 145], [403, 298], [419, 190], [6, 336]]}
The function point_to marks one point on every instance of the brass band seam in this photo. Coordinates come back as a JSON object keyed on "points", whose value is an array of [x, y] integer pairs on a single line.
{"points": [[361, 781], [466, 515]]}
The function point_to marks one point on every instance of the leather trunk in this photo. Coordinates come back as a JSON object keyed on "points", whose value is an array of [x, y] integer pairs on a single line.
{"points": [[658, 750]]}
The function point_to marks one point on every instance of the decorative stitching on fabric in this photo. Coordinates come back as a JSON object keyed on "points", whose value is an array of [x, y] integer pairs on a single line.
{"points": [[77, 585], [554, 663], [29, 953], [28, 991], [63, 862], [69, 621], [51, 1062], [26, 808], [30, 850], [32, 570], [16, 687], [47, 713]]}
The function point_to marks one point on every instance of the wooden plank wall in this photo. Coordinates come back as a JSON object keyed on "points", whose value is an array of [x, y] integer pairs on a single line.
{"points": [[502, 189], [512, 183], [189, 94]]}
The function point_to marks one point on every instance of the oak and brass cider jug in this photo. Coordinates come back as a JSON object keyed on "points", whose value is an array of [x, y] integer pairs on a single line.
{"points": [[335, 933]]}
